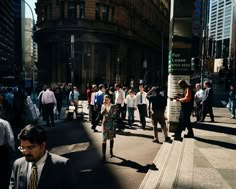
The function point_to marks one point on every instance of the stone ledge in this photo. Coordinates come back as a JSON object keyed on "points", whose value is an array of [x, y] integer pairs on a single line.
{"points": [[174, 163]]}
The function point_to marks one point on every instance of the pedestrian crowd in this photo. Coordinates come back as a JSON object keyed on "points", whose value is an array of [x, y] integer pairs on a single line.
{"points": [[107, 107]]}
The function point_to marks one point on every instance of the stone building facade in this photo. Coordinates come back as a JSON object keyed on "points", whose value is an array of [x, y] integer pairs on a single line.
{"points": [[115, 41]]}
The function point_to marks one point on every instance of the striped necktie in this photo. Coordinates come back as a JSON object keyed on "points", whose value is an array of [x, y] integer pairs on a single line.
{"points": [[33, 181]]}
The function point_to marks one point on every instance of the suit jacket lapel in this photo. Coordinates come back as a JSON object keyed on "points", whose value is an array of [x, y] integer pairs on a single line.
{"points": [[44, 175]]}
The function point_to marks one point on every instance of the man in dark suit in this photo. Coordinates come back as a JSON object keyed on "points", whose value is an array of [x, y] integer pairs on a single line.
{"points": [[207, 102], [186, 99], [39, 168]]}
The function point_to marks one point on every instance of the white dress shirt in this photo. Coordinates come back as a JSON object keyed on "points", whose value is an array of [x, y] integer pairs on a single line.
{"points": [[138, 98], [199, 95], [92, 102], [120, 97], [130, 101], [40, 164], [48, 97]]}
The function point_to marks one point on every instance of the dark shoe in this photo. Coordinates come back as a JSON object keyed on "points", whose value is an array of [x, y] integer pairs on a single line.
{"points": [[202, 120], [95, 130], [111, 154], [212, 120], [155, 141], [178, 138], [167, 139]]}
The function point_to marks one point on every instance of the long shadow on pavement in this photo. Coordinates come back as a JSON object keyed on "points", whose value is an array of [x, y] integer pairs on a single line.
{"points": [[215, 142], [132, 164], [126, 133], [215, 128], [72, 141]]}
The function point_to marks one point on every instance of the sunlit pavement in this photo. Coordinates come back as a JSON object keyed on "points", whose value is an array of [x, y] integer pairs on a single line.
{"points": [[134, 152]]}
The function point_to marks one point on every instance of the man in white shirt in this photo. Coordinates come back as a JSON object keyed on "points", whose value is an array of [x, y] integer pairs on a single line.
{"points": [[49, 101], [39, 168], [7, 149], [93, 107], [141, 103], [119, 102], [198, 99]]}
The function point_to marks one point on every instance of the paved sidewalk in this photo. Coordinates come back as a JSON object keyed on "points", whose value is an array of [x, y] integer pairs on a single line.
{"points": [[208, 161]]}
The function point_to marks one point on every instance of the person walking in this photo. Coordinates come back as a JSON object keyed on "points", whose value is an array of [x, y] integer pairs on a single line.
{"points": [[141, 103], [88, 95], [119, 102], [124, 108], [232, 101], [39, 169], [74, 97], [198, 99], [49, 101], [158, 103], [59, 97], [131, 107], [186, 100], [7, 149], [108, 112], [99, 97], [41, 108], [207, 102], [93, 107]]}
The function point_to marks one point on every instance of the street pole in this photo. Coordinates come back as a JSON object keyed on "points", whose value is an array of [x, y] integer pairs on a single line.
{"points": [[162, 58], [72, 43], [118, 71], [204, 37]]}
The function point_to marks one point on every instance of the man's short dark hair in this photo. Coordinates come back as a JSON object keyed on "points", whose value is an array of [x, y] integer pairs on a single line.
{"points": [[35, 134], [158, 90], [101, 86]]}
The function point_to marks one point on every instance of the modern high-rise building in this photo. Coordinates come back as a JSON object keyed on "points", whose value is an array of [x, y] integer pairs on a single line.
{"points": [[19, 21], [197, 26], [28, 48], [221, 27], [7, 38]]}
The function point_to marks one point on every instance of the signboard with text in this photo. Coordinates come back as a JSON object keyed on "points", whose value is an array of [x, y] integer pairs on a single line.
{"points": [[180, 61]]}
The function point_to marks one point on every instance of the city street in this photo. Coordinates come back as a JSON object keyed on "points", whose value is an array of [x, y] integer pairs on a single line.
{"points": [[134, 153]]}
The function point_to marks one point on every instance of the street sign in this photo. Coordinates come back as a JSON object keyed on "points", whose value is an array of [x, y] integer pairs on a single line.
{"points": [[179, 61]]}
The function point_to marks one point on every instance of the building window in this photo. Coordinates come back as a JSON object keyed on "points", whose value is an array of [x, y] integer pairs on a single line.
{"points": [[112, 14], [44, 14], [71, 8], [81, 9], [97, 11], [50, 11], [62, 7], [105, 13]]}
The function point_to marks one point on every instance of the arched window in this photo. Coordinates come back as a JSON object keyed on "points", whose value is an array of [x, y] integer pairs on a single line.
{"points": [[71, 8]]}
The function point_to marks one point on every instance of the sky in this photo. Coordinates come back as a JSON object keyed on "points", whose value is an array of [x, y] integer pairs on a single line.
{"points": [[28, 13]]}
